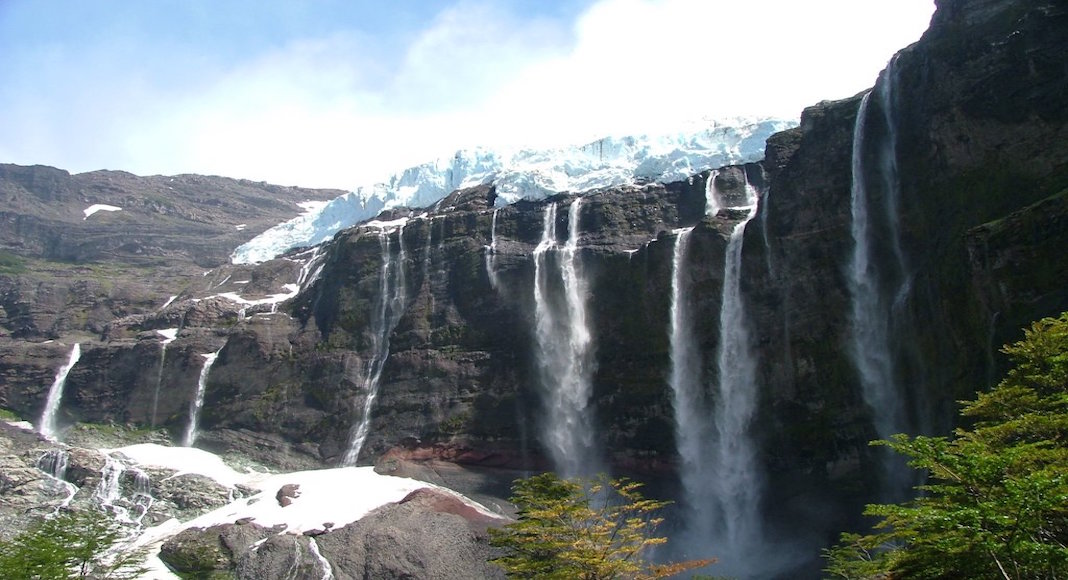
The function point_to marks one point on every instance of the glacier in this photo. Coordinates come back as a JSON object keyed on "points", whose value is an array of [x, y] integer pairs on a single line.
{"points": [[526, 174]]}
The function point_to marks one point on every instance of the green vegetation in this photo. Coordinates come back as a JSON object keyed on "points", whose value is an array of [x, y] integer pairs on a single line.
{"points": [[587, 530], [70, 545], [996, 505], [8, 415], [11, 263]]}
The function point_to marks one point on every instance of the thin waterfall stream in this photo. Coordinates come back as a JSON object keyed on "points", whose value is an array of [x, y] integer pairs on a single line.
{"points": [[392, 300], [47, 425], [198, 401], [169, 335], [491, 252]]}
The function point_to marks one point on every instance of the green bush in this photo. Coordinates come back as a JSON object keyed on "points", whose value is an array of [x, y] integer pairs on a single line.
{"points": [[996, 503], [71, 544], [582, 530]]}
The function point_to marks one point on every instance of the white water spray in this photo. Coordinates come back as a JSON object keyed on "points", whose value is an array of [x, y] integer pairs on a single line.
{"points": [[198, 401], [391, 306], [564, 350], [47, 425]]}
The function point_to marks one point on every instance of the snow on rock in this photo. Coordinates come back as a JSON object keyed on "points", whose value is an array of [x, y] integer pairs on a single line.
{"points": [[98, 207], [339, 496], [185, 460], [24, 425], [524, 174], [168, 334]]}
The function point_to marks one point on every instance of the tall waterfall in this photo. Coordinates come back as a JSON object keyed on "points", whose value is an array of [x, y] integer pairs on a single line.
{"points": [[169, 335], [47, 425], [564, 350], [491, 252], [737, 481], [878, 287], [390, 308], [692, 430], [198, 401], [720, 479]]}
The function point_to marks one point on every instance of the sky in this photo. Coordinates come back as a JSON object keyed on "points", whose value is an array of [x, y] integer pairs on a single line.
{"points": [[341, 93]]}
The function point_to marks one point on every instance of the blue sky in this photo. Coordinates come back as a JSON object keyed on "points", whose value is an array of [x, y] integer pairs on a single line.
{"points": [[336, 93]]}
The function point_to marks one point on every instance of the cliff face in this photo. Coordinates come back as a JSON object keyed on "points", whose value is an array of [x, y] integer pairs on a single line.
{"points": [[438, 317]]}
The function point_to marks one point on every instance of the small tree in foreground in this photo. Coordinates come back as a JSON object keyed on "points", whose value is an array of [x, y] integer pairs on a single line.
{"points": [[996, 505], [71, 544], [587, 530]]}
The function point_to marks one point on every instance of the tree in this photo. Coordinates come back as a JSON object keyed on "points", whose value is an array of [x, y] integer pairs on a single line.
{"points": [[589, 530], [71, 544], [996, 504]]}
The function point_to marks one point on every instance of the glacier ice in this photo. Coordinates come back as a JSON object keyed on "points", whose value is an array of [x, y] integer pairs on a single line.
{"points": [[525, 174]]}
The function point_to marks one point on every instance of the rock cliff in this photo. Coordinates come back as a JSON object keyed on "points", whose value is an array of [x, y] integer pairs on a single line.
{"points": [[433, 310]]}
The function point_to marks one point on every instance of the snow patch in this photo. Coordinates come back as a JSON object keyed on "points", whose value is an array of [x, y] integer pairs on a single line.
{"points": [[185, 460], [98, 207], [168, 334]]}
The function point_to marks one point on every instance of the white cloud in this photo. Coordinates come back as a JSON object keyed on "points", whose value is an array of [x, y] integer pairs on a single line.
{"points": [[331, 112]]}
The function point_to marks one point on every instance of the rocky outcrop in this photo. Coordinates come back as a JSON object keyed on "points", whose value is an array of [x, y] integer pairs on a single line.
{"points": [[429, 534], [62, 270]]}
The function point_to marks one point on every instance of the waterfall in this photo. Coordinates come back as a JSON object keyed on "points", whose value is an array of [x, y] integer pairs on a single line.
{"points": [[737, 480], [142, 496], [391, 306], [711, 195], [310, 270], [328, 570], [491, 252], [426, 252], [198, 402], [564, 350], [719, 474], [691, 422], [168, 335], [54, 463], [48, 426], [108, 489], [878, 288], [871, 311]]}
